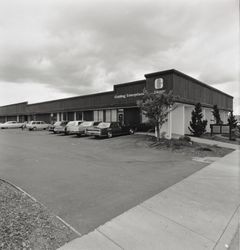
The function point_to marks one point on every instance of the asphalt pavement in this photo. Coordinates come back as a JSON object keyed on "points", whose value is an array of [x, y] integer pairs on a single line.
{"points": [[87, 181]]}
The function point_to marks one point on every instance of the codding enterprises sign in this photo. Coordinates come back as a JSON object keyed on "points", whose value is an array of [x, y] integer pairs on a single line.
{"points": [[123, 96], [128, 95]]}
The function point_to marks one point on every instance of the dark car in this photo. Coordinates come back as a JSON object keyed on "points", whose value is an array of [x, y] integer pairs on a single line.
{"points": [[109, 129]]}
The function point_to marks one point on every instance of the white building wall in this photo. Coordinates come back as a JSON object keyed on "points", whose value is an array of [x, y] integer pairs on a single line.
{"points": [[224, 116], [178, 119], [209, 117], [166, 129], [188, 116]]}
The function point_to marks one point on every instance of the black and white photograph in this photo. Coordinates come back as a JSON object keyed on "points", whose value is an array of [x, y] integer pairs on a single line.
{"points": [[119, 125]]}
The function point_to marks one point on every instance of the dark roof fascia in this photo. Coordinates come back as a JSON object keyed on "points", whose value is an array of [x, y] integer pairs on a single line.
{"points": [[174, 71], [164, 72], [72, 98], [129, 83], [14, 104]]}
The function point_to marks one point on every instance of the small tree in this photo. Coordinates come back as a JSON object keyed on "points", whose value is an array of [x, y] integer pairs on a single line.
{"points": [[232, 121], [216, 115], [156, 107], [197, 125]]}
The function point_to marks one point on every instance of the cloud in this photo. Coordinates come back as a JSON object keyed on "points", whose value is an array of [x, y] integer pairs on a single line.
{"points": [[79, 47]]}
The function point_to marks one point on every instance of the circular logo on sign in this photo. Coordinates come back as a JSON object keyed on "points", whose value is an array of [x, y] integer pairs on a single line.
{"points": [[158, 83]]}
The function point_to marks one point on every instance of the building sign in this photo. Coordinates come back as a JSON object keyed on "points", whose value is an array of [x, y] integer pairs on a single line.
{"points": [[158, 83], [123, 96]]}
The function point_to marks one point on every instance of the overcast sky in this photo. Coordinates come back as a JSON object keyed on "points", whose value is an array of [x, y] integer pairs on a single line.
{"points": [[58, 48]]}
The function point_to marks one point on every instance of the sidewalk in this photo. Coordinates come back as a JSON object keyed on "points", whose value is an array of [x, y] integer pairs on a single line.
{"points": [[200, 212], [213, 142]]}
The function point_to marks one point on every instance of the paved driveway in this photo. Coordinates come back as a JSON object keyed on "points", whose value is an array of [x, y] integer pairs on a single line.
{"points": [[87, 181]]}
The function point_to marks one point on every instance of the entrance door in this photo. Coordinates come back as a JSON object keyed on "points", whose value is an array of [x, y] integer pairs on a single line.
{"points": [[132, 117], [121, 116]]}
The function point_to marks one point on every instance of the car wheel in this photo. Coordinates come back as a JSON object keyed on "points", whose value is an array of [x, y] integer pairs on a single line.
{"points": [[131, 131], [109, 134]]}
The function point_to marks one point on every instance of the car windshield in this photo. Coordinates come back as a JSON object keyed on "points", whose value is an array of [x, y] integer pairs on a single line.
{"points": [[57, 123], [72, 123], [104, 125], [86, 124]]}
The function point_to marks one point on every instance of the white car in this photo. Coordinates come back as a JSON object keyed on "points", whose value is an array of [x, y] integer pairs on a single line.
{"points": [[83, 126], [37, 125], [11, 124], [72, 127]]}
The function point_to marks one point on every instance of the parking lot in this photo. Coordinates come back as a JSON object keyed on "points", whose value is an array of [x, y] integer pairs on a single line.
{"points": [[89, 181]]}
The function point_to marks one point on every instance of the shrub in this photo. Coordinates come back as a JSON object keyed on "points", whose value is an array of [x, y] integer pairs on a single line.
{"points": [[216, 115], [236, 131], [204, 149], [176, 144], [145, 127], [232, 121], [197, 125], [184, 138]]}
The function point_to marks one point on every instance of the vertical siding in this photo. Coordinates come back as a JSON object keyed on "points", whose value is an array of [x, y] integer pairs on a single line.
{"points": [[191, 91]]}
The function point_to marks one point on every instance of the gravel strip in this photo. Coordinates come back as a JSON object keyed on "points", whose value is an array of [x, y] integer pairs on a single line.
{"points": [[26, 224]]}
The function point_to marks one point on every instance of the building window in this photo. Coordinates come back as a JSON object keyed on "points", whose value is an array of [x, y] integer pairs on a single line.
{"points": [[79, 116], [113, 115], [108, 115]]}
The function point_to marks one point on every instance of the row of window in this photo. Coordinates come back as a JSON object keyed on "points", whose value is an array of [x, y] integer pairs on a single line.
{"points": [[109, 115]]}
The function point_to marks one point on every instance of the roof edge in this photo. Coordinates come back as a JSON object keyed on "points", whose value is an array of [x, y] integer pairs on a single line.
{"points": [[177, 72], [13, 104]]}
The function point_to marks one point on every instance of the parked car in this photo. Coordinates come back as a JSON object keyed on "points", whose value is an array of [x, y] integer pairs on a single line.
{"points": [[83, 126], [72, 127], [60, 127], [11, 124], [109, 129], [37, 125], [51, 127]]}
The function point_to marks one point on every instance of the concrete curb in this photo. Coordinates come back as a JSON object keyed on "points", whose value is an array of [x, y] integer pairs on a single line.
{"points": [[35, 200]]}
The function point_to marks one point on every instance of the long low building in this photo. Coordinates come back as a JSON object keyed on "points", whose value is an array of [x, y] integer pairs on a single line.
{"points": [[121, 103]]}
